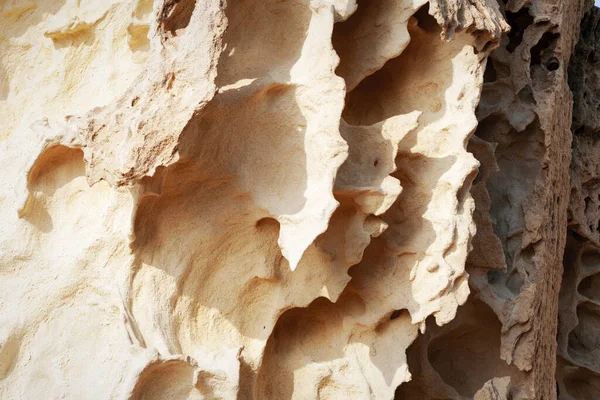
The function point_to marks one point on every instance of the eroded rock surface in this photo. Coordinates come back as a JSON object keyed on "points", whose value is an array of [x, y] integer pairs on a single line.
{"points": [[578, 364], [308, 199], [521, 193]]}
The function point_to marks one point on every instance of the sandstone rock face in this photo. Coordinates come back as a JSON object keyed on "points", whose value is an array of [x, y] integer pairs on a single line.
{"points": [[578, 366], [300, 199], [508, 326]]}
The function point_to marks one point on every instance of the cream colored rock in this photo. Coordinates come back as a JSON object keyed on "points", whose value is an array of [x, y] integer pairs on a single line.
{"points": [[272, 199], [55, 63]]}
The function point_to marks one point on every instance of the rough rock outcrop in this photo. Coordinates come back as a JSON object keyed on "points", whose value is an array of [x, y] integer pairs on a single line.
{"points": [[521, 193], [578, 366], [294, 199]]}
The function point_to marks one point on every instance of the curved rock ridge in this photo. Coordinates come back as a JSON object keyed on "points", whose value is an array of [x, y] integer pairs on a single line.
{"points": [[307, 199]]}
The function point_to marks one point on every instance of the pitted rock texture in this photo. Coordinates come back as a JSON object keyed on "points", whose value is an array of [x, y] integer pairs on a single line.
{"points": [[300, 199], [578, 364], [584, 80], [506, 335]]}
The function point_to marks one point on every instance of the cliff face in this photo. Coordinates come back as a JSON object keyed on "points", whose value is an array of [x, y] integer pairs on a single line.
{"points": [[298, 199], [578, 373]]}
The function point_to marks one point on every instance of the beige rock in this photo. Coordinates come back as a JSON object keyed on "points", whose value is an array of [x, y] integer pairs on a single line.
{"points": [[265, 199], [578, 361]]}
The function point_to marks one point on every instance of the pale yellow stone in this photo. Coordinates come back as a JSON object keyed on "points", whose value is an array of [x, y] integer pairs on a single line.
{"points": [[200, 200]]}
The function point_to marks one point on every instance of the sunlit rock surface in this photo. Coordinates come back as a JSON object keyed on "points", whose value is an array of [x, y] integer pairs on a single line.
{"points": [[300, 199]]}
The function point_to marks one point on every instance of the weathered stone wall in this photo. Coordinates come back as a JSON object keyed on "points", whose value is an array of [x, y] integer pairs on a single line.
{"points": [[266, 199], [523, 140], [578, 372]]}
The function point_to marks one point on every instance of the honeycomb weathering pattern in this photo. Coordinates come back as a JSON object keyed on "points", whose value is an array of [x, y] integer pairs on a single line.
{"points": [[308, 199], [578, 363]]}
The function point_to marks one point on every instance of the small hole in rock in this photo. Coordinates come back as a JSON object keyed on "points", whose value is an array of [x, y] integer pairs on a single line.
{"points": [[266, 224], [397, 314], [426, 21], [543, 52], [588, 204], [518, 21], [490, 74], [553, 64], [176, 15]]}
